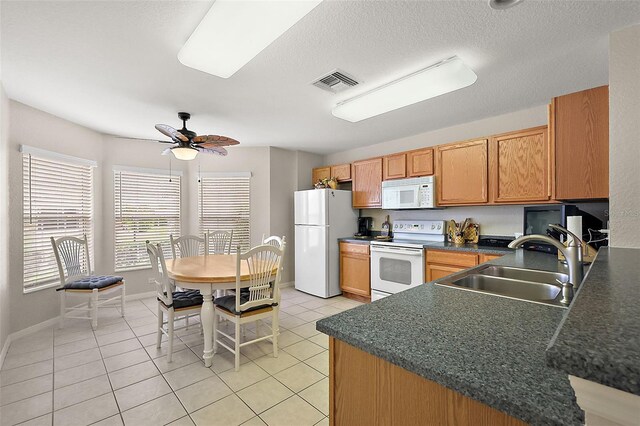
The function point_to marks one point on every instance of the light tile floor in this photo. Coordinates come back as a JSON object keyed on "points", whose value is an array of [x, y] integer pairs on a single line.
{"points": [[115, 375]]}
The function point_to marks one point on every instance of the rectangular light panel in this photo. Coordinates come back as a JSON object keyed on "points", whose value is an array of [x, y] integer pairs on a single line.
{"points": [[444, 77], [233, 32]]}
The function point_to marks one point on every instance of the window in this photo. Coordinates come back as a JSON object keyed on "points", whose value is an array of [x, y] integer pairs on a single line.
{"points": [[147, 207], [224, 205], [57, 202]]}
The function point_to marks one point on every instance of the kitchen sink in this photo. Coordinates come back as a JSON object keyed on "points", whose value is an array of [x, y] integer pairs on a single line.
{"points": [[524, 274], [515, 283]]}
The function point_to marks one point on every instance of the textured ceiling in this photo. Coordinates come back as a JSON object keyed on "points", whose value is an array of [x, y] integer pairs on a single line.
{"points": [[112, 66]]}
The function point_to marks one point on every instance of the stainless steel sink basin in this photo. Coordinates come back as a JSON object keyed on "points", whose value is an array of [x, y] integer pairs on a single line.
{"points": [[524, 274], [515, 283]]}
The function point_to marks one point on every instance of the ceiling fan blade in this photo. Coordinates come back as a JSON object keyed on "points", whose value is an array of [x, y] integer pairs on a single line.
{"points": [[171, 132], [215, 140], [217, 150]]}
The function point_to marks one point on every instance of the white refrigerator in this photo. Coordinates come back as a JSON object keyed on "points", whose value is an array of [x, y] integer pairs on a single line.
{"points": [[321, 217]]}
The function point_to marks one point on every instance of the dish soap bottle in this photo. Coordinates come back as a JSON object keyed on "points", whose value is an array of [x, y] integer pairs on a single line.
{"points": [[386, 226]]}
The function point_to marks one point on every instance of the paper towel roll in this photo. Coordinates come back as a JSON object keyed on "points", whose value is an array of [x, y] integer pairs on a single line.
{"points": [[574, 224]]}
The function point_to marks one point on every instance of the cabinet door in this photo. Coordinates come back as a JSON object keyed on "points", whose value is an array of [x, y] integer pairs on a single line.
{"points": [[520, 169], [320, 173], [420, 163], [436, 271], [367, 181], [462, 173], [355, 273], [488, 257], [341, 172], [582, 144], [394, 167]]}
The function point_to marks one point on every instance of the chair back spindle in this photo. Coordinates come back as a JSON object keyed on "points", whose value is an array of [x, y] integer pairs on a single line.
{"points": [[164, 287], [219, 242], [264, 264], [188, 245], [72, 257]]}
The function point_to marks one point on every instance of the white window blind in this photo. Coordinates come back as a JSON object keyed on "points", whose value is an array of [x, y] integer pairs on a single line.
{"points": [[57, 202], [224, 205], [147, 207]]}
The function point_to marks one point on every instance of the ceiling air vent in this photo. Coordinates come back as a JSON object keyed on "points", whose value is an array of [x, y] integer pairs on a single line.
{"points": [[336, 81]]}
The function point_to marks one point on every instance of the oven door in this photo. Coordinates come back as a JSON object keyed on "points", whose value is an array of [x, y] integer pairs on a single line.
{"points": [[401, 197], [394, 269]]}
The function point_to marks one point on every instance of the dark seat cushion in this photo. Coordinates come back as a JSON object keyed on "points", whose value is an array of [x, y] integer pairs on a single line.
{"points": [[91, 282], [185, 299], [229, 303]]}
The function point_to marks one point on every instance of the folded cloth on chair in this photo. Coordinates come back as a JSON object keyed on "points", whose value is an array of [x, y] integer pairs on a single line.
{"points": [[183, 299], [91, 282], [229, 303]]}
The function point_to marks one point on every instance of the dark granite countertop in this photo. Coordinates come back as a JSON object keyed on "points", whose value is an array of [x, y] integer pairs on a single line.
{"points": [[445, 245], [489, 348], [599, 339]]}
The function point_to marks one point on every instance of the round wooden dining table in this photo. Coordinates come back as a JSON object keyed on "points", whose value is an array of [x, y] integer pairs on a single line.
{"points": [[207, 274]]}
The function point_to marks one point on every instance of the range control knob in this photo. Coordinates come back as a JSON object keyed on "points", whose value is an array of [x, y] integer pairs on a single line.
{"points": [[439, 227], [395, 226], [433, 227], [421, 226]]}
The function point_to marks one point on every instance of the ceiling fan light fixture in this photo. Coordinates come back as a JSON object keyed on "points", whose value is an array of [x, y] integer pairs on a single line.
{"points": [[184, 153], [503, 4], [443, 77], [232, 33]]}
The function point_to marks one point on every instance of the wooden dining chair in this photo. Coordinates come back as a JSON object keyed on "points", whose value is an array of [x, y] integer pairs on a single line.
{"points": [[74, 269], [188, 245], [176, 304], [219, 242], [261, 302]]}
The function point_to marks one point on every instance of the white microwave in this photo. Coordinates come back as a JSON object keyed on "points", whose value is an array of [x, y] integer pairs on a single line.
{"points": [[413, 193]]}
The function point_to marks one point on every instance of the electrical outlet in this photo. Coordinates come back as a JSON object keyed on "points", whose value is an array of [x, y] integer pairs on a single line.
{"points": [[373, 224]]}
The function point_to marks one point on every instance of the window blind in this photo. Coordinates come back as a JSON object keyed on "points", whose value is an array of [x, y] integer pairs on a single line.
{"points": [[224, 205], [147, 207], [57, 202]]}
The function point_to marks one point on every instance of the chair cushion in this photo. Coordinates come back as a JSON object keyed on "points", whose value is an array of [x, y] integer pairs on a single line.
{"points": [[229, 303], [91, 282], [184, 299]]}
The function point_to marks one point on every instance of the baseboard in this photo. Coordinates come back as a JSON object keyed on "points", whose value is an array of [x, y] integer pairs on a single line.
{"points": [[52, 321], [287, 284]]}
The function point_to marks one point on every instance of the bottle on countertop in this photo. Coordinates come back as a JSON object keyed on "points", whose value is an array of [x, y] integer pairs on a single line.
{"points": [[386, 227]]}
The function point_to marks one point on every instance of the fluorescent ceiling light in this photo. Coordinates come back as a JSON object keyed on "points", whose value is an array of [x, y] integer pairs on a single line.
{"points": [[444, 77], [233, 32]]}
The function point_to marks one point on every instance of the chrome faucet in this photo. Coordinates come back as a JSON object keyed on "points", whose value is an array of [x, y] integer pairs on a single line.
{"points": [[572, 252]]}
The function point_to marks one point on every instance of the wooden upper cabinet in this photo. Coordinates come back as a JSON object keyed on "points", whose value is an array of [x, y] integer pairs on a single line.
{"points": [[581, 132], [462, 173], [519, 166], [320, 173], [342, 172], [394, 166], [367, 183], [420, 162]]}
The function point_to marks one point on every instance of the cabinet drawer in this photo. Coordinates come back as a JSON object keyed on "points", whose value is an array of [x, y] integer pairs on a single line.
{"points": [[452, 258], [354, 248], [488, 257]]}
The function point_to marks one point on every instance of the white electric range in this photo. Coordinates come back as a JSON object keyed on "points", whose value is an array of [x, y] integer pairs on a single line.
{"points": [[398, 264]]}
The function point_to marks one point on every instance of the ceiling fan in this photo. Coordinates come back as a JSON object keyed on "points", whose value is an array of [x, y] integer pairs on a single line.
{"points": [[188, 143]]}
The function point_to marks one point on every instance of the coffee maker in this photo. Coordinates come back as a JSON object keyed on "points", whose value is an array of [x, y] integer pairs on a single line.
{"points": [[364, 227]]}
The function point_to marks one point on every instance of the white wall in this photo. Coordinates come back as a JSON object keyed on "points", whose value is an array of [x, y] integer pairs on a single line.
{"points": [[4, 218], [29, 126], [624, 142]]}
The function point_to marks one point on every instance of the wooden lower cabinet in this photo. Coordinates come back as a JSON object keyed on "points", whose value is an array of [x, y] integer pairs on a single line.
{"points": [[440, 263], [487, 257], [367, 390], [354, 269]]}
